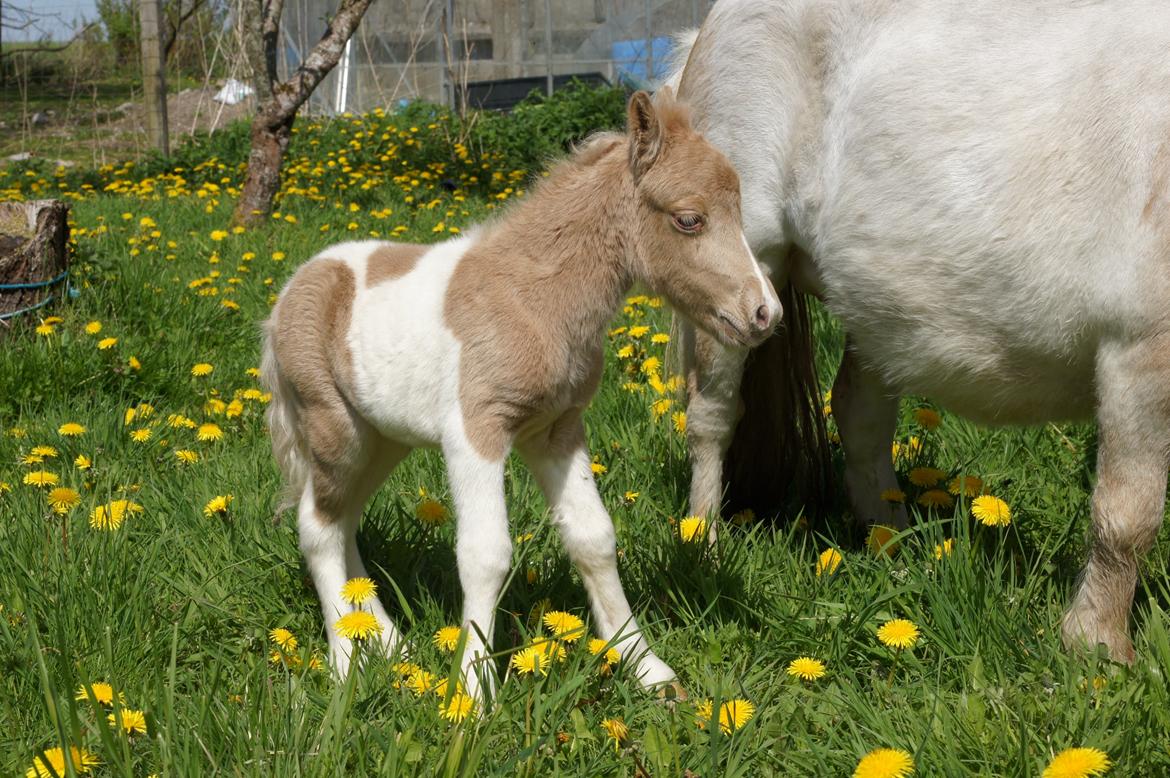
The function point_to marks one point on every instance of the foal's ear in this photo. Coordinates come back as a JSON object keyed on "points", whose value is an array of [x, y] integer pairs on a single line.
{"points": [[645, 132]]}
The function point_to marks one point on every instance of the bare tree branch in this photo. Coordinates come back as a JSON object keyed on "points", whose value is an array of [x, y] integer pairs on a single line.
{"points": [[49, 48]]}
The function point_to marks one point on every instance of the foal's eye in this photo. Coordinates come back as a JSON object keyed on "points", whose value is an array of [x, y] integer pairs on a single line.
{"points": [[688, 222]]}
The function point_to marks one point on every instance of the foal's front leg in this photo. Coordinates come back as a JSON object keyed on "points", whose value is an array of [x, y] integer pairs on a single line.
{"points": [[1133, 452], [561, 465], [483, 551]]}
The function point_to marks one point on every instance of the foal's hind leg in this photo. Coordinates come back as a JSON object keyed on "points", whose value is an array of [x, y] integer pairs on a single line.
{"points": [[562, 467], [866, 412], [1133, 387], [347, 464]]}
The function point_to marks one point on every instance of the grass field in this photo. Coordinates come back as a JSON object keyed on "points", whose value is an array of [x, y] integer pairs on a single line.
{"points": [[174, 606]]}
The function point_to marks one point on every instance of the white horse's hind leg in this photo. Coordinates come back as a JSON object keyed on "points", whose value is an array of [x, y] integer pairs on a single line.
{"points": [[866, 412], [713, 374], [562, 468], [1133, 386], [483, 551], [323, 540]]}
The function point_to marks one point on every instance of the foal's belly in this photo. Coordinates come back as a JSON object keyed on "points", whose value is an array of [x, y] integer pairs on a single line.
{"points": [[405, 358]]}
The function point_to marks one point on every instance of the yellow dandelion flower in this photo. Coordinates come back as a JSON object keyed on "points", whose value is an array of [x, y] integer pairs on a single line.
{"points": [[651, 365], [202, 369], [1078, 763], [944, 549], [692, 528], [611, 656], [564, 626], [598, 468], [661, 407], [806, 668], [679, 420], [111, 515], [617, 731], [935, 498], [625, 352], [102, 693], [530, 661], [141, 435], [967, 485], [177, 420], [656, 384], [52, 763], [660, 338], [186, 456], [278, 657], [93, 328], [431, 513], [991, 511], [45, 329], [881, 540], [828, 561], [447, 638], [32, 459], [885, 763], [639, 331], [358, 590], [40, 478], [234, 409], [71, 429], [133, 721], [209, 432], [357, 625], [420, 681], [48, 452], [134, 363], [218, 505], [893, 495], [733, 714], [283, 638], [277, 256], [926, 476], [629, 497], [458, 707], [215, 406], [5, 487], [105, 344], [62, 498], [927, 418], [218, 235], [898, 633], [83, 462]]}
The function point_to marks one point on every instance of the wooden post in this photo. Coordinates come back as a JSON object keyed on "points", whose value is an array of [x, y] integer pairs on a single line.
{"points": [[154, 80]]}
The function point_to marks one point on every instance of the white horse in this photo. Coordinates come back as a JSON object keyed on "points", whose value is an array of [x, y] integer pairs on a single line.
{"points": [[495, 340], [981, 193]]}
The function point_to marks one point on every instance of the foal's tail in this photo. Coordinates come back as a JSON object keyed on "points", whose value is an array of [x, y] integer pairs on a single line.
{"points": [[780, 456], [283, 425]]}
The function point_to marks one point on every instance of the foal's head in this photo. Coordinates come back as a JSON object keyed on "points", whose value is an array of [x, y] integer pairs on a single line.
{"points": [[689, 242]]}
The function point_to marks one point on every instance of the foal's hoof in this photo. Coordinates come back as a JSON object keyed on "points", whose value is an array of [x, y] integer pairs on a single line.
{"points": [[671, 693]]}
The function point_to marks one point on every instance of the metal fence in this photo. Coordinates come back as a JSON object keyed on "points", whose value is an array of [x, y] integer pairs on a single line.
{"points": [[487, 52]]}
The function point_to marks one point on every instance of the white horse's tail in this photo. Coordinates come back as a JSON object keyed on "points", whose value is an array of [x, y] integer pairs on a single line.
{"points": [[680, 52], [283, 425]]}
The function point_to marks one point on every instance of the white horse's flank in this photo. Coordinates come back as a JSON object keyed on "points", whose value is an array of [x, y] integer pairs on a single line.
{"points": [[495, 340], [981, 193]]}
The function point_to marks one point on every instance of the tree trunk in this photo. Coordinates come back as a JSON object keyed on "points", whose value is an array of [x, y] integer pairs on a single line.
{"points": [[34, 255], [272, 127], [264, 162]]}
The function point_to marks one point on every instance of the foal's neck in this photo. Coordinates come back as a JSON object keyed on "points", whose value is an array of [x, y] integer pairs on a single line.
{"points": [[568, 243]]}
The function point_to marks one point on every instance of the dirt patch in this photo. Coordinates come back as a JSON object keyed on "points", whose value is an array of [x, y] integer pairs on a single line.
{"points": [[99, 134]]}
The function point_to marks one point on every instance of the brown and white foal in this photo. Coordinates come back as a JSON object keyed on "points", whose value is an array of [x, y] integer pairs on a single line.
{"points": [[492, 341]]}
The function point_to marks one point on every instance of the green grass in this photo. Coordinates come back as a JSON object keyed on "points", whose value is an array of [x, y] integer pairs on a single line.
{"points": [[174, 608]]}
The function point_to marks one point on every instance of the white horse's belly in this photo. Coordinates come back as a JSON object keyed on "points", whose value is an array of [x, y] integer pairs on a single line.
{"points": [[405, 358]]}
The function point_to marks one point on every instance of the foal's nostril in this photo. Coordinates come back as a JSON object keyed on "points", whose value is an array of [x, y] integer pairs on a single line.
{"points": [[763, 318]]}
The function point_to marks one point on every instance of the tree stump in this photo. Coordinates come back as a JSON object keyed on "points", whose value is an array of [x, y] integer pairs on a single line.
{"points": [[34, 255]]}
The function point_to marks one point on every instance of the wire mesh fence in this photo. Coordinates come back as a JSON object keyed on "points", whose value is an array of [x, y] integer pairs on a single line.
{"points": [[488, 53]]}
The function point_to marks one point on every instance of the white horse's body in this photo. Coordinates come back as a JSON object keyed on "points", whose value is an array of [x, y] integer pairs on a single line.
{"points": [[981, 193]]}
